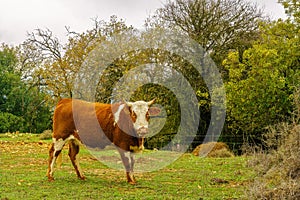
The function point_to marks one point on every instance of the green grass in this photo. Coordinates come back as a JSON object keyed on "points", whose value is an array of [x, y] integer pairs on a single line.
{"points": [[23, 165]]}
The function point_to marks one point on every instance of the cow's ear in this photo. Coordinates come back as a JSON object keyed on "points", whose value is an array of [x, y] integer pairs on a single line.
{"points": [[154, 111]]}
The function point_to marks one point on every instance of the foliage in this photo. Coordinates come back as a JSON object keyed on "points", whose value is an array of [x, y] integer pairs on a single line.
{"points": [[147, 81], [46, 134], [261, 85], [260, 67], [8, 59], [292, 8], [22, 106], [8, 79], [252, 94], [10, 122], [55, 67], [57, 64], [278, 169], [218, 25]]}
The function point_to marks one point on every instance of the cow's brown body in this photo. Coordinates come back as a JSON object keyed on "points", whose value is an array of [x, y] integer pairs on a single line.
{"points": [[95, 125]]}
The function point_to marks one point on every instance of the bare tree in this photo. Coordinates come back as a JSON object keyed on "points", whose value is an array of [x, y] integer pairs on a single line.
{"points": [[46, 42], [52, 69], [217, 25]]}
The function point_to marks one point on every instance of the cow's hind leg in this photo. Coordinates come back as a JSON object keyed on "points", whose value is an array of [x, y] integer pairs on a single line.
{"points": [[73, 151], [54, 151]]}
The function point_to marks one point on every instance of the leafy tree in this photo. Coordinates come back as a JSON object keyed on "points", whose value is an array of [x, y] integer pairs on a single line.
{"points": [[8, 59], [58, 70], [47, 64], [58, 64], [22, 107], [261, 86], [10, 122], [219, 26], [8, 78], [292, 8], [8, 81], [136, 59]]}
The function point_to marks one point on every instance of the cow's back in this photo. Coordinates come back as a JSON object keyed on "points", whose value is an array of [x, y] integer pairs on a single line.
{"points": [[93, 124], [79, 118]]}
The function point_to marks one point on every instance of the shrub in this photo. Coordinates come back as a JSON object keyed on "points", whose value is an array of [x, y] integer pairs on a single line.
{"points": [[10, 122], [47, 134], [278, 168]]}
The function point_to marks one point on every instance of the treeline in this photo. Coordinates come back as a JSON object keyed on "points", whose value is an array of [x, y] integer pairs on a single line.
{"points": [[258, 59], [23, 104]]}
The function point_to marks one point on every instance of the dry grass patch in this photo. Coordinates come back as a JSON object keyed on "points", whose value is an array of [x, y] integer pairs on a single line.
{"points": [[278, 168], [213, 150]]}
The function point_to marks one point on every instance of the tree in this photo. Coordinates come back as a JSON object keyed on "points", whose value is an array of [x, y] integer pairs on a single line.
{"points": [[55, 65], [47, 65], [22, 106], [261, 86], [142, 62], [8, 78], [59, 71], [217, 25], [292, 8], [8, 81]]}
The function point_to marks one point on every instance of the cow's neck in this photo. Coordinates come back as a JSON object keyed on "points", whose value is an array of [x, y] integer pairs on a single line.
{"points": [[140, 146]]}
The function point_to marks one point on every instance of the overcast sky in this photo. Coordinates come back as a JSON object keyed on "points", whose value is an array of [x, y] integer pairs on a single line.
{"points": [[17, 17]]}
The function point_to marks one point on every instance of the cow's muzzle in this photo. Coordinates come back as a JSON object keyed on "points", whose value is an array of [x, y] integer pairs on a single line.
{"points": [[142, 131]]}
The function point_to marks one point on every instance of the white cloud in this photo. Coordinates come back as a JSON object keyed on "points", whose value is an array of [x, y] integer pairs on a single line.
{"points": [[272, 8], [19, 17]]}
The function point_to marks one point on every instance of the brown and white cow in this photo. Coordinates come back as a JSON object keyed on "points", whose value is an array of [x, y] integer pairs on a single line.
{"points": [[98, 125]]}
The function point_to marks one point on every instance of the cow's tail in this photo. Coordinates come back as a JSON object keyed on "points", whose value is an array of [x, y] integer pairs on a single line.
{"points": [[59, 160]]}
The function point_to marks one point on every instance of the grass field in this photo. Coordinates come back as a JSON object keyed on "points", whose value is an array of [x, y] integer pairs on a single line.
{"points": [[23, 165]]}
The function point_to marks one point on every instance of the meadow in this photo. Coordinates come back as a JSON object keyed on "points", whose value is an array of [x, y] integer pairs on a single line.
{"points": [[23, 165]]}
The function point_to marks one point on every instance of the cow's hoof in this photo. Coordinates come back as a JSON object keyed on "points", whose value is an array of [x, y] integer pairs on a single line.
{"points": [[82, 178], [50, 179], [132, 182]]}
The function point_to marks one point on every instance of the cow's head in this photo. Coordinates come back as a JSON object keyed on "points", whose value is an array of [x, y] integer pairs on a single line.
{"points": [[140, 112]]}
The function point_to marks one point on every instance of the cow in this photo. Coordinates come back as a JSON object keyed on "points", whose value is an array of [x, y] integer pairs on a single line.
{"points": [[124, 125]]}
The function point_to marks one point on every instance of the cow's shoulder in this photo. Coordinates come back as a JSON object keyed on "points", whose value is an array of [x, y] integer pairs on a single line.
{"points": [[63, 105]]}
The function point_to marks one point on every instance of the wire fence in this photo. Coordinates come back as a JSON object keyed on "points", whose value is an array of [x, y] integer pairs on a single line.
{"points": [[235, 143]]}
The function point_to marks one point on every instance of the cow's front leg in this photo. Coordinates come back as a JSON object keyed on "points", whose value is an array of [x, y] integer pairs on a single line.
{"points": [[128, 162], [132, 165]]}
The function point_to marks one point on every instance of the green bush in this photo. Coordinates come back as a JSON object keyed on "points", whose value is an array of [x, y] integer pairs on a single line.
{"points": [[10, 122], [47, 134]]}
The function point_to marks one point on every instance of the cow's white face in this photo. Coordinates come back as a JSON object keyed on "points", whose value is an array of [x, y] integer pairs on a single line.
{"points": [[140, 112]]}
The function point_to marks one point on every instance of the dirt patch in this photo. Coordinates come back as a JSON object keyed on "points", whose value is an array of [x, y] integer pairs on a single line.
{"points": [[23, 148]]}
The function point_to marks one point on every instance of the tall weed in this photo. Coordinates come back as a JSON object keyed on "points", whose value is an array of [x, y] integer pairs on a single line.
{"points": [[278, 167]]}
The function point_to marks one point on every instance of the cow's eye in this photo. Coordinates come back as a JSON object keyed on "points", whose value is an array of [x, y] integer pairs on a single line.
{"points": [[147, 116], [134, 116]]}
